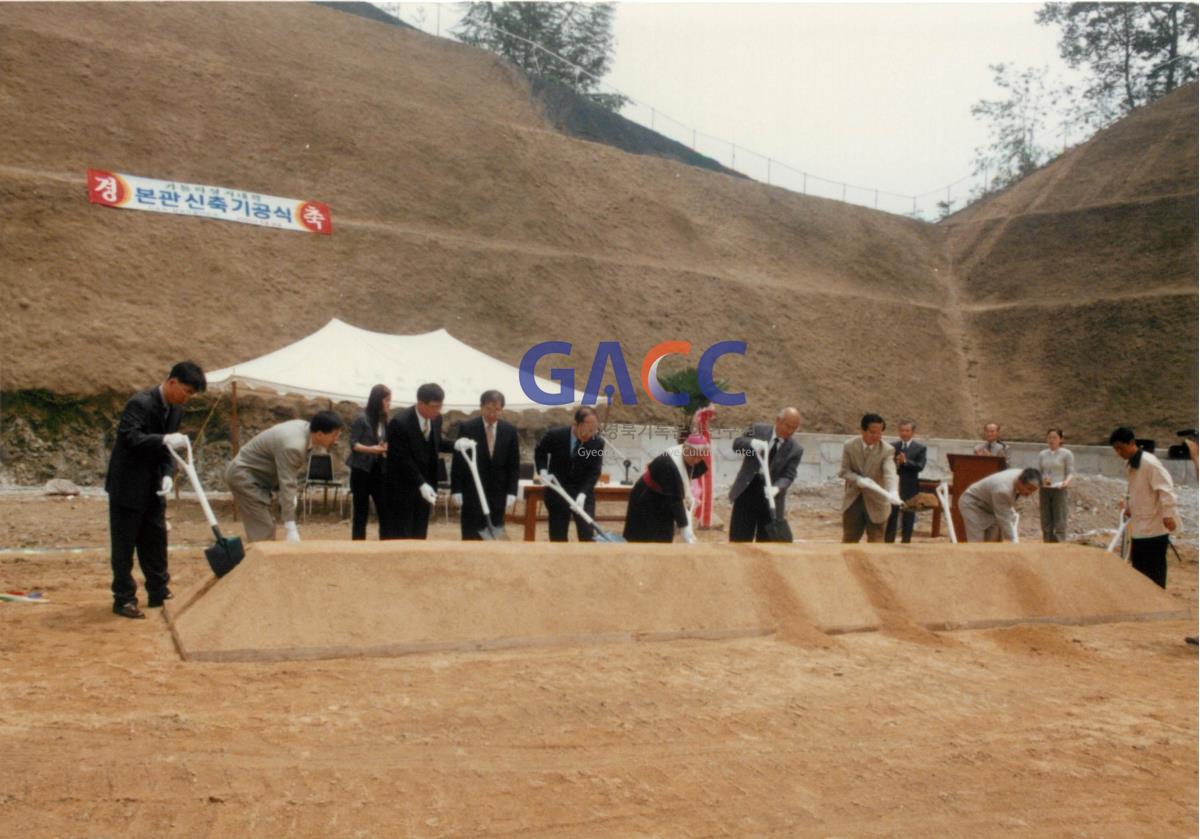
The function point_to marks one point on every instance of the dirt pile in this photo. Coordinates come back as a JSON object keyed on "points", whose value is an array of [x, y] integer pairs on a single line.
{"points": [[319, 600]]}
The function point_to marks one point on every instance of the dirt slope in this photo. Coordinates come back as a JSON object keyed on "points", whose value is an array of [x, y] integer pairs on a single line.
{"points": [[1078, 284], [457, 205]]}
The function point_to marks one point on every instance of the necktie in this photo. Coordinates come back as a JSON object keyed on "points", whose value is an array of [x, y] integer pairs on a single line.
{"points": [[491, 438], [425, 428]]}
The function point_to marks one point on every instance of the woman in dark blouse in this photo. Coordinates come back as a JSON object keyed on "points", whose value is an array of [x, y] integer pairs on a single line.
{"points": [[368, 445]]}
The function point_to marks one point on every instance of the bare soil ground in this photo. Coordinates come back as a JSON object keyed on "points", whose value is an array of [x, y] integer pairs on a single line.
{"points": [[1033, 730]]}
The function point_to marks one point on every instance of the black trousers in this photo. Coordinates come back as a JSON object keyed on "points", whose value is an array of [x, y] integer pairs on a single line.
{"points": [[1150, 557], [560, 516], [366, 487], [750, 515], [908, 519], [141, 529], [472, 518], [407, 515]]}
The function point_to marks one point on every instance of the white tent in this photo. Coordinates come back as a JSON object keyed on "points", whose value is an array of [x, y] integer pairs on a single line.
{"points": [[342, 362]]}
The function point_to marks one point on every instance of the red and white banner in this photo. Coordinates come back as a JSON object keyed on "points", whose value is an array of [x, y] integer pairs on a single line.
{"points": [[129, 192]]}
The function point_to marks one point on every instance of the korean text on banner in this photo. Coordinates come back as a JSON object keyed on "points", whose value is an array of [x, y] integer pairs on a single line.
{"points": [[130, 192]]}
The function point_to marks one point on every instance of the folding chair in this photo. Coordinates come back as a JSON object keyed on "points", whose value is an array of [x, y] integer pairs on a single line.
{"points": [[319, 475]]}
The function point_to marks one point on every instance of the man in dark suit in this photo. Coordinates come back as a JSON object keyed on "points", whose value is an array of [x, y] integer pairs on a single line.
{"points": [[910, 460], [139, 477], [414, 438], [574, 454], [498, 459], [751, 513]]}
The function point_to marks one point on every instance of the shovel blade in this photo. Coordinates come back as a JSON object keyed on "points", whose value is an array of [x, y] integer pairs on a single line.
{"points": [[224, 555], [604, 536], [491, 533], [778, 530]]}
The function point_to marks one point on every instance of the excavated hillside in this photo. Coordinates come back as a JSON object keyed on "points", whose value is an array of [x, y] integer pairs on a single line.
{"points": [[1078, 285], [456, 204]]}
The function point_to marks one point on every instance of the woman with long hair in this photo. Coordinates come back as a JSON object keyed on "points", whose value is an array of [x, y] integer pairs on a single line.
{"points": [[368, 450]]}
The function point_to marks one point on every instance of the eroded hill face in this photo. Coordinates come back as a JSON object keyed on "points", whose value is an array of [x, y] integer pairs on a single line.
{"points": [[1078, 284], [456, 206]]}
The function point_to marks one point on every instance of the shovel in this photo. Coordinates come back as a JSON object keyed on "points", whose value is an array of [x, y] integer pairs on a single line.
{"points": [[777, 529], [943, 496], [489, 531], [600, 534], [225, 553]]}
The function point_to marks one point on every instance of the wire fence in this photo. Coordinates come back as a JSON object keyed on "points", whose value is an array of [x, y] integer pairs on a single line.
{"points": [[929, 206]]}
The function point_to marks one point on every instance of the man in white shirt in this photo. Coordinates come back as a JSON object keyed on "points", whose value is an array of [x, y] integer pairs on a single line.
{"points": [[1149, 506]]}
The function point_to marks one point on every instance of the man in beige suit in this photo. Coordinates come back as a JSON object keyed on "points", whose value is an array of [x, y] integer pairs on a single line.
{"points": [[869, 470]]}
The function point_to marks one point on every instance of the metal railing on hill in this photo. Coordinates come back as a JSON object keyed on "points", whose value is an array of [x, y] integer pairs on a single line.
{"points": [[763, 168]]}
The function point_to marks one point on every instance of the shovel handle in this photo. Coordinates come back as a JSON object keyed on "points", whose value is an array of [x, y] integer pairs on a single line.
{"points": [[470, 459], [190, 469]]}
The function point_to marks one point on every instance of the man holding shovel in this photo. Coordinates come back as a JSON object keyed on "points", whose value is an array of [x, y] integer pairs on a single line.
{"points": [[869, 470], [988, 506], [277, 458], [415, 443], [574, 454], [498, 460], [139, 478], [751, 514]]}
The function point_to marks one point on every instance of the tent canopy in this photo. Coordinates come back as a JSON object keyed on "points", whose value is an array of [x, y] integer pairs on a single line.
{"points": [[342, 363]]}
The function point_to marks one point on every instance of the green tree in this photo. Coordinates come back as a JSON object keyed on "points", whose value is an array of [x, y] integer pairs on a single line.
{"points": [[1018, 124], [1134, 53], [687, 380], [569, 43]]}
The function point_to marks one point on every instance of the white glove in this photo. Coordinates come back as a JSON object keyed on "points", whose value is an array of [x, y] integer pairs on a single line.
{"points": [[759, 446], [429, 493], [456, 499], [293, 535], [580, 500], [544, 476], [895, 500], [688, 535], [774, 490], [175, 440], [167, 485], [464, 444], [510, 501]]}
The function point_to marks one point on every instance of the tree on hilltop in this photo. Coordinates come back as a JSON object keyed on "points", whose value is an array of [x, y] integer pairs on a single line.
{"points": [[1134, 53], [568, 43]]}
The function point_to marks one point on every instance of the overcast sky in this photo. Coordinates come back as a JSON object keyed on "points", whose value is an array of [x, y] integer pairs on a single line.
{"points": [[875, 95]]}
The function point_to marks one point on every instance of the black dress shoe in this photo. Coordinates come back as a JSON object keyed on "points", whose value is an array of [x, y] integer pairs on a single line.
{"points": [[128, 609], [156, 602]]}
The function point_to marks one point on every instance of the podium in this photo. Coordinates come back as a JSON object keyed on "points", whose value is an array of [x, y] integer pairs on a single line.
{"points": [[966, 469]]}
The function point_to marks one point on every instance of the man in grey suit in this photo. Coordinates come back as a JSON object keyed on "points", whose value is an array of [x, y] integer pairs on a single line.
{"points": [[750, 511], [869, 470], [910, 460], [277, 459]]}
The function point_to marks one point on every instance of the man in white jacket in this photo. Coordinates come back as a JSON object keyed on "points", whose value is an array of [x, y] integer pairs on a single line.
{"points": [[988, 505], [1149, 506]]}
